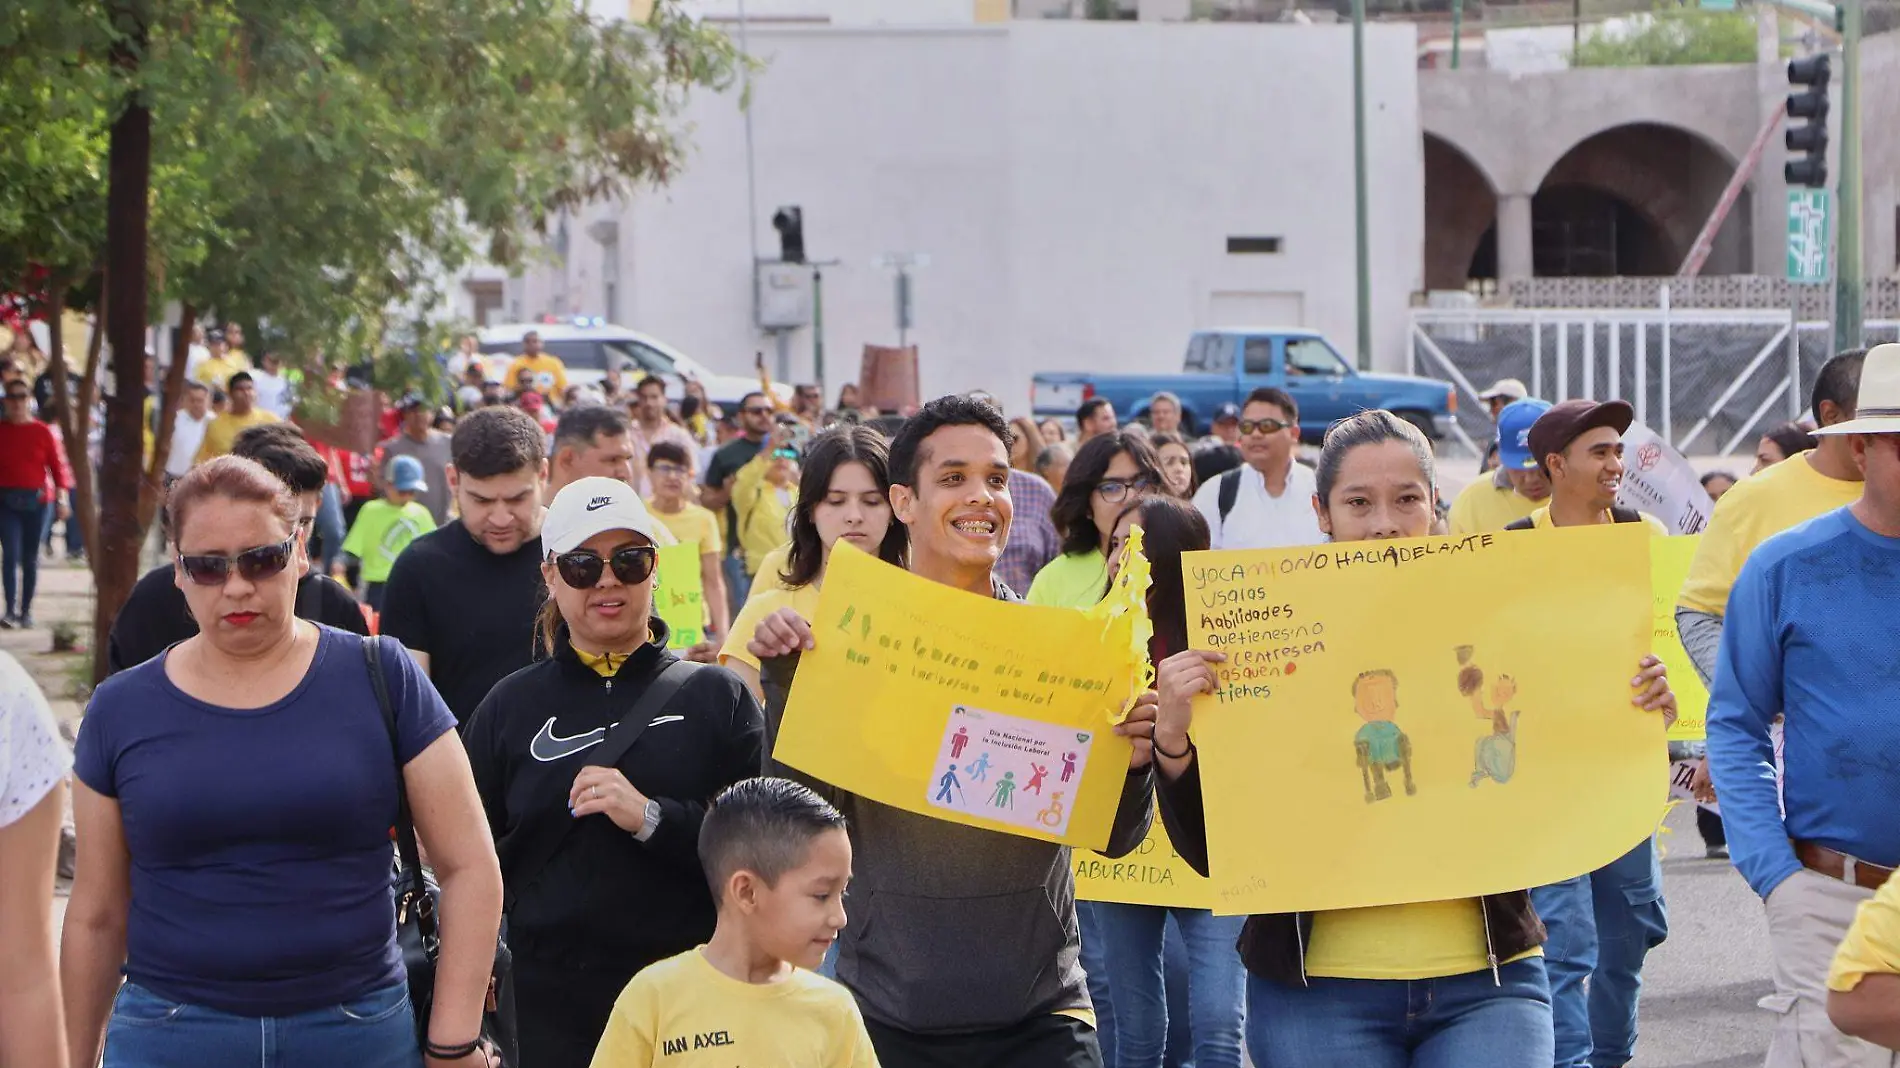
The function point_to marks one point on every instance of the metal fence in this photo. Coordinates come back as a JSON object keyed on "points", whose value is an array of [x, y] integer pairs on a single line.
{"points": [[1708, 380]]}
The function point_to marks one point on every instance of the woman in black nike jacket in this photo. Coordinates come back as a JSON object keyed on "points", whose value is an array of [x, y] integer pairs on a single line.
{"points": [[601, 863]]}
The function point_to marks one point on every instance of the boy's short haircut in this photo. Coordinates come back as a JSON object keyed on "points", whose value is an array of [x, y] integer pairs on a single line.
{"points": [[668, 452], [283, 451], [497, 441], [764, 826]]}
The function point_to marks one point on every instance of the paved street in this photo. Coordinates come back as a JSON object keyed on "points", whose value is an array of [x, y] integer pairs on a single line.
{"points": [[1698, 1007]]}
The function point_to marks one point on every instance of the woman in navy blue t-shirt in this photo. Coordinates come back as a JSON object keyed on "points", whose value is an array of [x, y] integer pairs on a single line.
{"points": [[234, 801]]}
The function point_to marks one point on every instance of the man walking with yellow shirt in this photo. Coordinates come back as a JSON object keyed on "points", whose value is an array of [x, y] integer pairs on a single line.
{"points": [[1785, 495], [1516, 488], [1602, 924]]}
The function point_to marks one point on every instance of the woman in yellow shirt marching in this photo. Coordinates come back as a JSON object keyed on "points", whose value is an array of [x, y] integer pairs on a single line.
{"points": [[843, 495], [1440, 984]]}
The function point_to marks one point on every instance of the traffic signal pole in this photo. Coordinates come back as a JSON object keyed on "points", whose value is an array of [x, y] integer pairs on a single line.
{"points": [[1362, 248], [1847, 260]]}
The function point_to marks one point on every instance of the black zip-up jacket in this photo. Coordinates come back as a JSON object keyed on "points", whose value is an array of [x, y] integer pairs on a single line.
{"points": [[1273, 947], [605, 899]]}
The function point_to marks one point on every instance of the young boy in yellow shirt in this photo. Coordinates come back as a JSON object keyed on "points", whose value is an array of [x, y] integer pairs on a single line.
{"points": [[778, 860]]}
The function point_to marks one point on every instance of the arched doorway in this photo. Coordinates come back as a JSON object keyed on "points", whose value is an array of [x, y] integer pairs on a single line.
{"points": [[1460, 208], [1630, 201]]}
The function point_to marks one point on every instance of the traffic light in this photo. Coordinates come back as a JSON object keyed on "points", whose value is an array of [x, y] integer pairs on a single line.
{"points": [[1809, 75], [790, 223]]}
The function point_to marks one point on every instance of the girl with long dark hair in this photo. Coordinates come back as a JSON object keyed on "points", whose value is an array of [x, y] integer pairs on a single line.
{"points": [[1108, 473], [844, 494], [1131, 937]]}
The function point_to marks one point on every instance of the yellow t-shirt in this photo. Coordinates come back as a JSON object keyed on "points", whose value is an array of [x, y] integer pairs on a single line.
{"points": [[550, 374], [1872, 945], [1427, 940], [216, 372], [692, 523], [685, 1013], [771, 568], [222, 431], [765, 600], [1753, 510], [763, 528], [1540, 520], [1488, 504]]}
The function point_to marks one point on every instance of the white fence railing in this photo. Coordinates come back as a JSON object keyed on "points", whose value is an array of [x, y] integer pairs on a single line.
{"points": [[1719, 377]]}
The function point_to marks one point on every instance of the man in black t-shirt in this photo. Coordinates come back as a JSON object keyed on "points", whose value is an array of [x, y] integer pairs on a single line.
{"points": [[155, 616], [755, 425], [464, 598]]}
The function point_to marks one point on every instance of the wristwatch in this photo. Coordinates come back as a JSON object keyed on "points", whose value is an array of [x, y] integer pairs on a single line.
{"points": [[650, 823]]}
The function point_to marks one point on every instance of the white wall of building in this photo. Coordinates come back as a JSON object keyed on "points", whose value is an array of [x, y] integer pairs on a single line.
{"points": [[1073, 184]]}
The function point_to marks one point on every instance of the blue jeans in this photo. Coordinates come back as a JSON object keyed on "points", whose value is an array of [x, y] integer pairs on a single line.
{"points": [[330, 527], [377, 1030], [1095, 963], [19, 555], [1462, 1021], [1601, 926], [1133, 937], [738, 583]]}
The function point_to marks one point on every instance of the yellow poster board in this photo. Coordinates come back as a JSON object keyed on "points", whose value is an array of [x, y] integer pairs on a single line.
{"points": [[680, 596], [961, 707], [1669, 568], [1154, 874], [1423, 719]]}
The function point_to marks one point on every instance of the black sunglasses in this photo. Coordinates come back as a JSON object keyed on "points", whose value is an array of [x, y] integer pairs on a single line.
{"points": [[632, 565], [255, 565]]}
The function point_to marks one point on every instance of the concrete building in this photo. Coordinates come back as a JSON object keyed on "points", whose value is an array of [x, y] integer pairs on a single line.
{"points": [[1073, 215], [1075, 186]]}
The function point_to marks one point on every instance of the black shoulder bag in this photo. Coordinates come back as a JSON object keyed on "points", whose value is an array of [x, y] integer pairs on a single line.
{"points": [[546, 840], [417, 898]]}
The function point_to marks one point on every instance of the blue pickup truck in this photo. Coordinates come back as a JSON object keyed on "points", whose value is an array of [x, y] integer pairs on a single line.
{"points": [[1223, 366]]}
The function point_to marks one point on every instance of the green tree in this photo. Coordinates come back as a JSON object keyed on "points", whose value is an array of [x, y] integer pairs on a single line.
{"points": [[308, 165], [1671, 36]]}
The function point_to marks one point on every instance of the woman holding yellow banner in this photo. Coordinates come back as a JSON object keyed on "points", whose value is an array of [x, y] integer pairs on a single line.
{"points": [[843, 495], [1440, 984]]}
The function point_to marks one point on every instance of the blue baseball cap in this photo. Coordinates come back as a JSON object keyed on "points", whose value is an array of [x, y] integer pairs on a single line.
{"points": [[405, 475], [1514, 432]]}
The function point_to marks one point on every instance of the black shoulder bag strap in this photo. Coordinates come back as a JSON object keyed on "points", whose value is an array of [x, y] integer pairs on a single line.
{"points": [[406, 850], [1520, 524], [1229, 492], [1617, 515], [548, 835]]}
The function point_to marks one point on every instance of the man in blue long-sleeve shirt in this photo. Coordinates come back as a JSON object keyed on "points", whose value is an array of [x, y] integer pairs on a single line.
{"points": [[1811, 633]]}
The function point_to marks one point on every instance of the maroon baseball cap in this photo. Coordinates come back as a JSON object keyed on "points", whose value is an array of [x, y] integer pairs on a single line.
{"points": [[1566, 421]]}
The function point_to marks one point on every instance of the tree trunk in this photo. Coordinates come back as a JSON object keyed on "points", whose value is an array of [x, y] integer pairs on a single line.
{"points": [[74, 426], [128, 199], [152, 492]]}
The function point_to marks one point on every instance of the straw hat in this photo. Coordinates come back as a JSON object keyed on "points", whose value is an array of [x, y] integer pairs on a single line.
{"points": [[1878, 409]]}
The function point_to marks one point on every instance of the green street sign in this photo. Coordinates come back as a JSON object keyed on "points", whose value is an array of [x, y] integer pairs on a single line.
{"points": [[1808, 235]]}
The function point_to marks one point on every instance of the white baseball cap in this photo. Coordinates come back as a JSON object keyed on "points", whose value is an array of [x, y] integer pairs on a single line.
{"points": [[589, 506]]}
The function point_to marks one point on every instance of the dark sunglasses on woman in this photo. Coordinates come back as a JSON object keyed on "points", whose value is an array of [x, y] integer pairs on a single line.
{"points": [[582, 568], [255, 565]]}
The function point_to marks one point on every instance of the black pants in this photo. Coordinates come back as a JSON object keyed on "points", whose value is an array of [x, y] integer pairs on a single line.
{"points": [[1039, 1042], [1710, 824], [561, 1011]]}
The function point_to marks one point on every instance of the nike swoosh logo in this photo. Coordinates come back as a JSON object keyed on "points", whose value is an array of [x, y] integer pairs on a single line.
{"points": [[549, 747]]}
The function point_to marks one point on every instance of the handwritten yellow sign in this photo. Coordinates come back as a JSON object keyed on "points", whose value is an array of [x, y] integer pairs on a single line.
{"points": [[962, 707], [1424, 719], [1669, 568], [680, 596], [1154, 874]]}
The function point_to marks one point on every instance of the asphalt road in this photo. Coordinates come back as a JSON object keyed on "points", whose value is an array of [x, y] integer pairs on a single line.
{"points": [[1700, 987]]}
